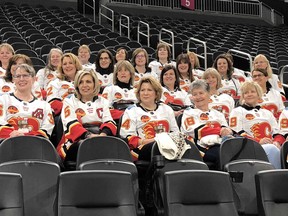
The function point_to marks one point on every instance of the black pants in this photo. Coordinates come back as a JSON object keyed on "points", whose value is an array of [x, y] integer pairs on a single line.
{"points": [[211, 156]]}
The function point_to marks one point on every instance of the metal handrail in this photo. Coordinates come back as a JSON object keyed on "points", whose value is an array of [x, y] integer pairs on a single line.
{"points": [[244, 54], [107, 17], [139, 32], [92, 7], [162, 41], [205, 49], [281, 76], [123, 25]]}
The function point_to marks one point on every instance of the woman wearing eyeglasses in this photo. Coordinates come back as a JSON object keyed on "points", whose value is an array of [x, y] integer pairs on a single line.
{"points": [[6, 82], [262, 62], [271, 99], [140, 61], [104, 67], [20, 112]]}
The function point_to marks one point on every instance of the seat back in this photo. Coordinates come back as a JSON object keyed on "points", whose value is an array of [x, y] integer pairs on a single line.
{"points": [[284, 155], [103, 147], [272, 187], [245, 191], [11, 194], [96, 193], [198, 193], [240, 148], [27, 148], [39, 185], [118, 165]]}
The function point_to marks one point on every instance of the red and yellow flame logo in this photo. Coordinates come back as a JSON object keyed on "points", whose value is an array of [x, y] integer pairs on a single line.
{"points": [[261, 130], [149, 128]]}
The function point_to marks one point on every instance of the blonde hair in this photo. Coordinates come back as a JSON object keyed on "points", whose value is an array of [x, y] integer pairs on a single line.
{"points": [[127, 66], [9, 47], [75, 61], [80, 74], [269, 69], [196, 59], [212, 72], [250, 85], [84, 47], [155, 85]]}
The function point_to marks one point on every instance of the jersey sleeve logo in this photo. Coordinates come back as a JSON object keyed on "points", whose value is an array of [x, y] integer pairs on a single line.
{"points": [[6, 89], [145, 118], [38, 113], [118, 95], [80, 112], [250, 116], [13, 110]]}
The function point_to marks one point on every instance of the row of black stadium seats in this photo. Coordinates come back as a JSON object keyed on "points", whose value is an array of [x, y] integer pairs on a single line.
{"points": [[103, 153]]}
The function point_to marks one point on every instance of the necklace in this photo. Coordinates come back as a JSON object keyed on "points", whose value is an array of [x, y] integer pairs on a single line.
{"points": [[149, 110]]}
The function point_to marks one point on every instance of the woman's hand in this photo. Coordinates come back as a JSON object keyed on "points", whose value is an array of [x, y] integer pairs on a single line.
{"points": [[266, 140], [16, 133], [225, 131]]}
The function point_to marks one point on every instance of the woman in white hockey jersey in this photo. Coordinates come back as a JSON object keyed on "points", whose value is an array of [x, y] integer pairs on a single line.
{"points": [[63, 86], [84, 115], [204, 125], [49, 72], [141, 121], [220, 101], [172, 94], [121, 94], [230, 85], [20, 112], [260, 61], [252, 121], [6, 82], [272, 99]]}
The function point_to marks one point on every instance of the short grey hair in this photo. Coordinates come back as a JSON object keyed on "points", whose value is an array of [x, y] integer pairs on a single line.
{"points": [[199, 84], [29, 69]]}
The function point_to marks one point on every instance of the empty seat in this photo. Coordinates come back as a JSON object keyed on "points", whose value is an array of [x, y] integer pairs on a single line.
{"points": [[271, 186], [21, 45], [67, 46], [96, 193], [39, 185], [107, 147], [27, 52], [27, 148], [198, 193], [11, 194]]}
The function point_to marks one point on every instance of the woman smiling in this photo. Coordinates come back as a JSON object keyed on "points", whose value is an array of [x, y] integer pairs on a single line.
{"points": [[84, 115]]}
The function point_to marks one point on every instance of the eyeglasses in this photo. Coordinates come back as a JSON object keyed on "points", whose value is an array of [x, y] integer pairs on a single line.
{"points": [[140, 56], [24, 76], [258, 75]]}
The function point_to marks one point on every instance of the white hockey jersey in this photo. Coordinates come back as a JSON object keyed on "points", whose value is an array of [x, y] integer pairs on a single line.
{"points": [[57, 91], [178, 97], [140, 124], [157, 66], [198, 124], [255, 123], [32, 118], [44, 76], [230, 87], [224, 103]]}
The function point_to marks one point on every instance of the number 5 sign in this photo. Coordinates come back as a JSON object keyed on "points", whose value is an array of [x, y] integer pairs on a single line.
{"points": [[188, 4]]}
